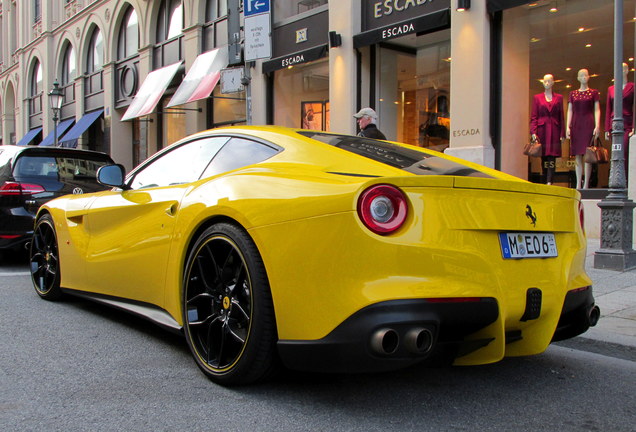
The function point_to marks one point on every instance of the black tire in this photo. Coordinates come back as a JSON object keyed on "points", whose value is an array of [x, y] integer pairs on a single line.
{"points": [[228, 314], [44, 259]]}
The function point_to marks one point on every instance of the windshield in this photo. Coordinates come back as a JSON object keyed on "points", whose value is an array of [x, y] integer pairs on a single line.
{"points": [[408, 159]]}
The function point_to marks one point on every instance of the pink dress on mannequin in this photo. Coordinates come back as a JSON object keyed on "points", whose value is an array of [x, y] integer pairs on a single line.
{"points": [[582, 124], [546, 122]]}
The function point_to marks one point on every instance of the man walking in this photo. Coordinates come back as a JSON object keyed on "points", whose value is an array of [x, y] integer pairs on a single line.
{"points": [[367, 119]]}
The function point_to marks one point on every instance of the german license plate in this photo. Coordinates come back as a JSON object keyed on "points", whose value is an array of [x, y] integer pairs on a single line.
{"points": [[527, 245]]}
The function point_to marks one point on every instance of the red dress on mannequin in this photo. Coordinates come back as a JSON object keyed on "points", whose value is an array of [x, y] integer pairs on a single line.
{"points": [[546, 122], [582, 123]]}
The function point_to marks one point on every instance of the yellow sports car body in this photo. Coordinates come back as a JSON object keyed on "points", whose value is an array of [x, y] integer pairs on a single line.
{"points": [[324, 252]]}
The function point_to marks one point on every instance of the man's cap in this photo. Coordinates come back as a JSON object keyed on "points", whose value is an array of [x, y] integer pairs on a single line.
{"points": [[365, 112]]}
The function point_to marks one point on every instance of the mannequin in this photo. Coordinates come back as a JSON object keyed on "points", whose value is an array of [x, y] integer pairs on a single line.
{"points": [[628, 114], [546, 124], [584, 118]]}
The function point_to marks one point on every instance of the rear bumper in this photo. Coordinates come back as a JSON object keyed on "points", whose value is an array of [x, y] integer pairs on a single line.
{"points": [[350, 346], [16, 227], [579, 314]]}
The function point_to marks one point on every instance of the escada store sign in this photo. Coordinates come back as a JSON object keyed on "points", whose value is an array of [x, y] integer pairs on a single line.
{"points": [[383, 13], [383, 20], [398, 31], [290, 61], [387, 7]]}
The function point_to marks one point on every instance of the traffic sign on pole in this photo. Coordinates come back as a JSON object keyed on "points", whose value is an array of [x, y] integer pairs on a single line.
{"points": [[257, 29], [254, 7]]}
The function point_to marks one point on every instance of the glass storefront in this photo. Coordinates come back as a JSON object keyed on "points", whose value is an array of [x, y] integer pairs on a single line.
{"points": [[562, 39], [227, 109], [301, 96], [414, 89]]}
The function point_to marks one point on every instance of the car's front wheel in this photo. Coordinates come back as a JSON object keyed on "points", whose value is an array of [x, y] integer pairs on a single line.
{"points": [[44, 259], [228, 314]]}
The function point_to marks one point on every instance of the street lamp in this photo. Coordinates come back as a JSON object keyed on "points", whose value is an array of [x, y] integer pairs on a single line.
{"points": [[617, 219], [55, 100]]}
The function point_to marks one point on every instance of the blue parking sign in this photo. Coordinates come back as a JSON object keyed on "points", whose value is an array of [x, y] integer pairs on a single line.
{"points": [[254, 7]]}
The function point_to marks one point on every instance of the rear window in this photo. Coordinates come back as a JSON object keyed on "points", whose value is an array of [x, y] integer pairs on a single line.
{"points": [[61, 168], [396, 156]]}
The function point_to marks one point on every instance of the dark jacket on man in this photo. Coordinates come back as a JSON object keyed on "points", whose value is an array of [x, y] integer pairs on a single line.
{"points": [[372, 131]]}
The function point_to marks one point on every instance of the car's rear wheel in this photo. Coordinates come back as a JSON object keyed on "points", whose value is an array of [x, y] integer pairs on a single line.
{"points": [[44, 259], [228, 314]]}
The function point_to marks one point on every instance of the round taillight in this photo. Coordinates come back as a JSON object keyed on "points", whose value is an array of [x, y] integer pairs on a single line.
{"points": [[382, 208]]}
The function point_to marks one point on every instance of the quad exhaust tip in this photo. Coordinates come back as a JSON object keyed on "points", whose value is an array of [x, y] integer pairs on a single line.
{"points": [[593, 315], [417, 340], [385, 341]]}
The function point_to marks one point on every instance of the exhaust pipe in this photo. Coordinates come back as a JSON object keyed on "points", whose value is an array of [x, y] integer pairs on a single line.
{"points": [[27, 246], [418, 340], [593, 315], [385, 341]]}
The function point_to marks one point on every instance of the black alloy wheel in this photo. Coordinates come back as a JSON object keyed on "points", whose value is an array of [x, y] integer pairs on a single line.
{"points": [[44, 259], [227, 309]]}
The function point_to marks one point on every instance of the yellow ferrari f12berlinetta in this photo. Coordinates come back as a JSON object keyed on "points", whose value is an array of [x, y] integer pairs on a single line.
{"points": [[267, 246]]}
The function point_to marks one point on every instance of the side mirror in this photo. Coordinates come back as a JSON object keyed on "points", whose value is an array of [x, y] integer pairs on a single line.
{"points": [[112, 175]]}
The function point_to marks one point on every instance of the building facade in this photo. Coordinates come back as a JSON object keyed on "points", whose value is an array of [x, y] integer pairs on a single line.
{"points": [[459, 81]]}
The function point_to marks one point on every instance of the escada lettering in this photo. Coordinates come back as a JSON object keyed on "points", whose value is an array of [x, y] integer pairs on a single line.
{"points": [[387, 7], [397, 31], [465, 132], [293, 60]]}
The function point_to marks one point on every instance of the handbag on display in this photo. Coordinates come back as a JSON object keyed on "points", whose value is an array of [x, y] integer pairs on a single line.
{"points": [[533, 148], [596, 153]]}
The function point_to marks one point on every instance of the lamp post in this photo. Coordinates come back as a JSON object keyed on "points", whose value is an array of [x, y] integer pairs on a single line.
{"points": [[55, 100], [617, 218]]}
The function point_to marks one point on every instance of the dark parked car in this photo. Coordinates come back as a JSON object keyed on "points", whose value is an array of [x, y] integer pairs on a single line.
{"points": [[31, 176]]}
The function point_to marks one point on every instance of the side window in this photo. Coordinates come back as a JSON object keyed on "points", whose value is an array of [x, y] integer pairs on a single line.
{"points": [[184, 164], [237, 153]]}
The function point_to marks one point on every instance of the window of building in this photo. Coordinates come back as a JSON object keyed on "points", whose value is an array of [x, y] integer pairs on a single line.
{"points": [[1, 38], [170, 22], [227, 109], [37, 10], [68, 66], [95, 59], [215, 9], [128, 35], [284, 9], [559, 39], [301, 96], [414, 90], [36, 87]]}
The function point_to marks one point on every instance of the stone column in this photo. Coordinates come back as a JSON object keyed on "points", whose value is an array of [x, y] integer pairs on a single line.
{"points": [[344, 18], [470, 85]]}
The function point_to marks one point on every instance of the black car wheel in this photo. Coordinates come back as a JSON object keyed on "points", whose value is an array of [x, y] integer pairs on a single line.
{"points": [[228, 314], [44, 259]]}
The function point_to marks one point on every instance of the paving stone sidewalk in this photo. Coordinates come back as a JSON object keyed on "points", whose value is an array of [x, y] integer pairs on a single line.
{"points": [[615, 294]]}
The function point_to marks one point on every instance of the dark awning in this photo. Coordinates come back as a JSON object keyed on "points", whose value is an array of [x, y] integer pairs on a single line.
{"points": [[202, 77], [71, 137], [299, 57], [30, 135], [61, 128], [421, 25], [499, 5], [150, 92]]}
